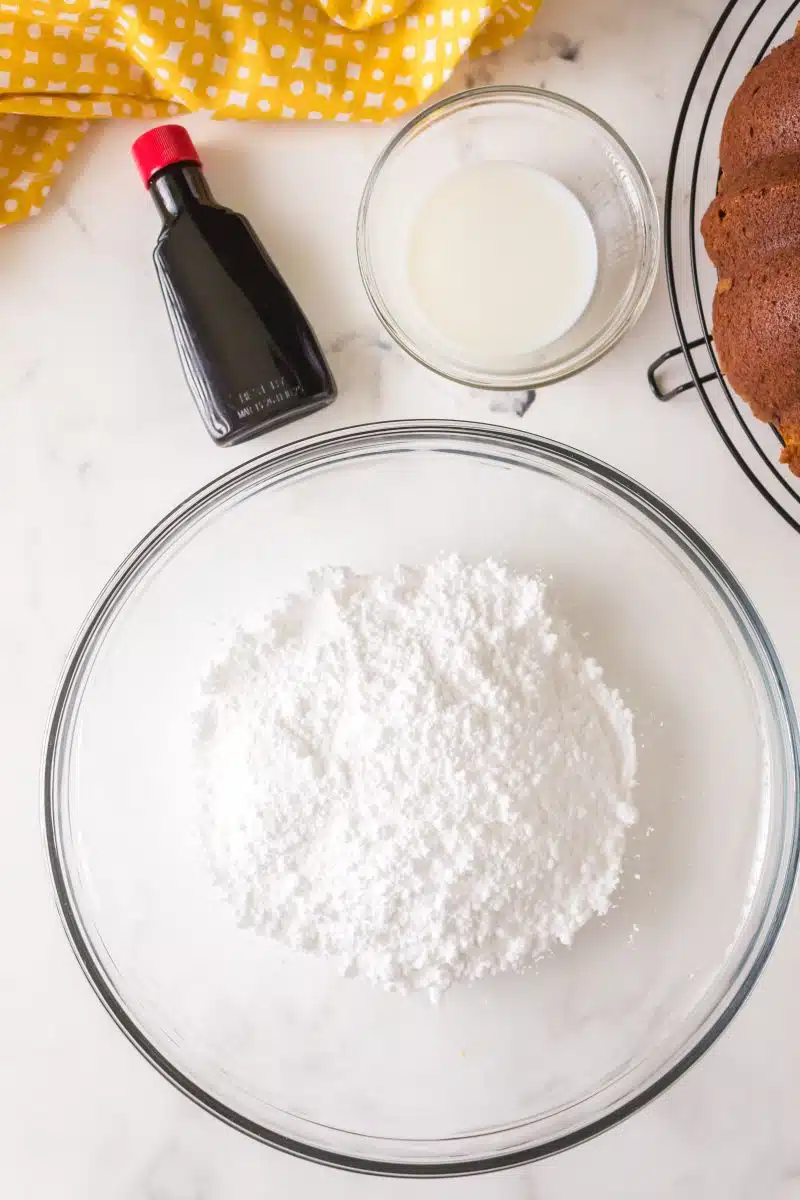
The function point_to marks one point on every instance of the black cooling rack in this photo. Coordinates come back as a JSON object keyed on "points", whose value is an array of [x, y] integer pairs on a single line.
{"points": [[744, 33]]}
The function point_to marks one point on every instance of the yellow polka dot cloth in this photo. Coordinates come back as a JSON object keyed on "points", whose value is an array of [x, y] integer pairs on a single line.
{"points": [[66, 62]]}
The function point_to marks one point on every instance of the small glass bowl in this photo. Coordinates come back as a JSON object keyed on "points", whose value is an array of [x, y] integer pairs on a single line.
{"points": [[554, 135]]}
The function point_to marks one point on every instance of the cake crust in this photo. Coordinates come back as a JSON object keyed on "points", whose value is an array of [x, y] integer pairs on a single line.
{"points": [[751, 232]]}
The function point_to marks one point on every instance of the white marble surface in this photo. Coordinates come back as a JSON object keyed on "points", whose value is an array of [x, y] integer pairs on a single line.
{"points": [[100, 438]]}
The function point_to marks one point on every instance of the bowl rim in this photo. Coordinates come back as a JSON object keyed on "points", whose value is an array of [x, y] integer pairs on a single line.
{"points": [[463, 437], [650, 249]]}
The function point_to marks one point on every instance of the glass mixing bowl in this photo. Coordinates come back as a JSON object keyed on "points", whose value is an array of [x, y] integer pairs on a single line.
{"points": [[541, 130], [511, 1068]]}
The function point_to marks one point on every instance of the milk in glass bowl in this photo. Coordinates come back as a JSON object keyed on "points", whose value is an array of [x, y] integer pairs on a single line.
{"points": [[508, 238]]}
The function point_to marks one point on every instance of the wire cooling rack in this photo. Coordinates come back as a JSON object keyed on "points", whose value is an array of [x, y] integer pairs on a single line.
{"points": [[744, 33]]}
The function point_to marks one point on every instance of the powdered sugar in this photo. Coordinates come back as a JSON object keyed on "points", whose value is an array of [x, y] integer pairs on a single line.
{"points": [[415, 773]]}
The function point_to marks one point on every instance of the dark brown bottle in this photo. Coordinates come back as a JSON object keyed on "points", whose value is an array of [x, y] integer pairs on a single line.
{"points": [[249, 355]]}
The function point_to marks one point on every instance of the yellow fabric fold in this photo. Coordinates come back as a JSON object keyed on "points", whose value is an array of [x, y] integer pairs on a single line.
{"points": [[64, 63]]}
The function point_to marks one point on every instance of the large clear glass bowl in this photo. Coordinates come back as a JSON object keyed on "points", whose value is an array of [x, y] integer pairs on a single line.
{"points": [[551, 134], [512, 1068]]}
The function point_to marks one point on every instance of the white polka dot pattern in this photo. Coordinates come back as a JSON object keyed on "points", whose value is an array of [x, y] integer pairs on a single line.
{"points": [[66, 62]]}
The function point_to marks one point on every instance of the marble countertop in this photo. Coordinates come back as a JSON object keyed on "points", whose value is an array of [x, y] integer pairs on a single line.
{"points": [[100, 438]]}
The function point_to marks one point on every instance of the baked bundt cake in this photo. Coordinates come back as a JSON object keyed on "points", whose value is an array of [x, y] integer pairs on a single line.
{"points": [[752, 235]]}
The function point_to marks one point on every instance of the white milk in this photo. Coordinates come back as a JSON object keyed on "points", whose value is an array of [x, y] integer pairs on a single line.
{"points": [[502, 260]]}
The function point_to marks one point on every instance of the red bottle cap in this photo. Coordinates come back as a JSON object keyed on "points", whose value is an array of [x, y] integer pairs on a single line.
{"points": [[161, 147]]}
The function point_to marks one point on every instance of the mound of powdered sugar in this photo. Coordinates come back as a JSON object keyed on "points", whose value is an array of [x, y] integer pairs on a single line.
{"points": [[416, 773]]}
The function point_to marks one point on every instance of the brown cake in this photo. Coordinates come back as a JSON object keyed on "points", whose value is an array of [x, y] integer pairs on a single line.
{"points": [[752, 235]]}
